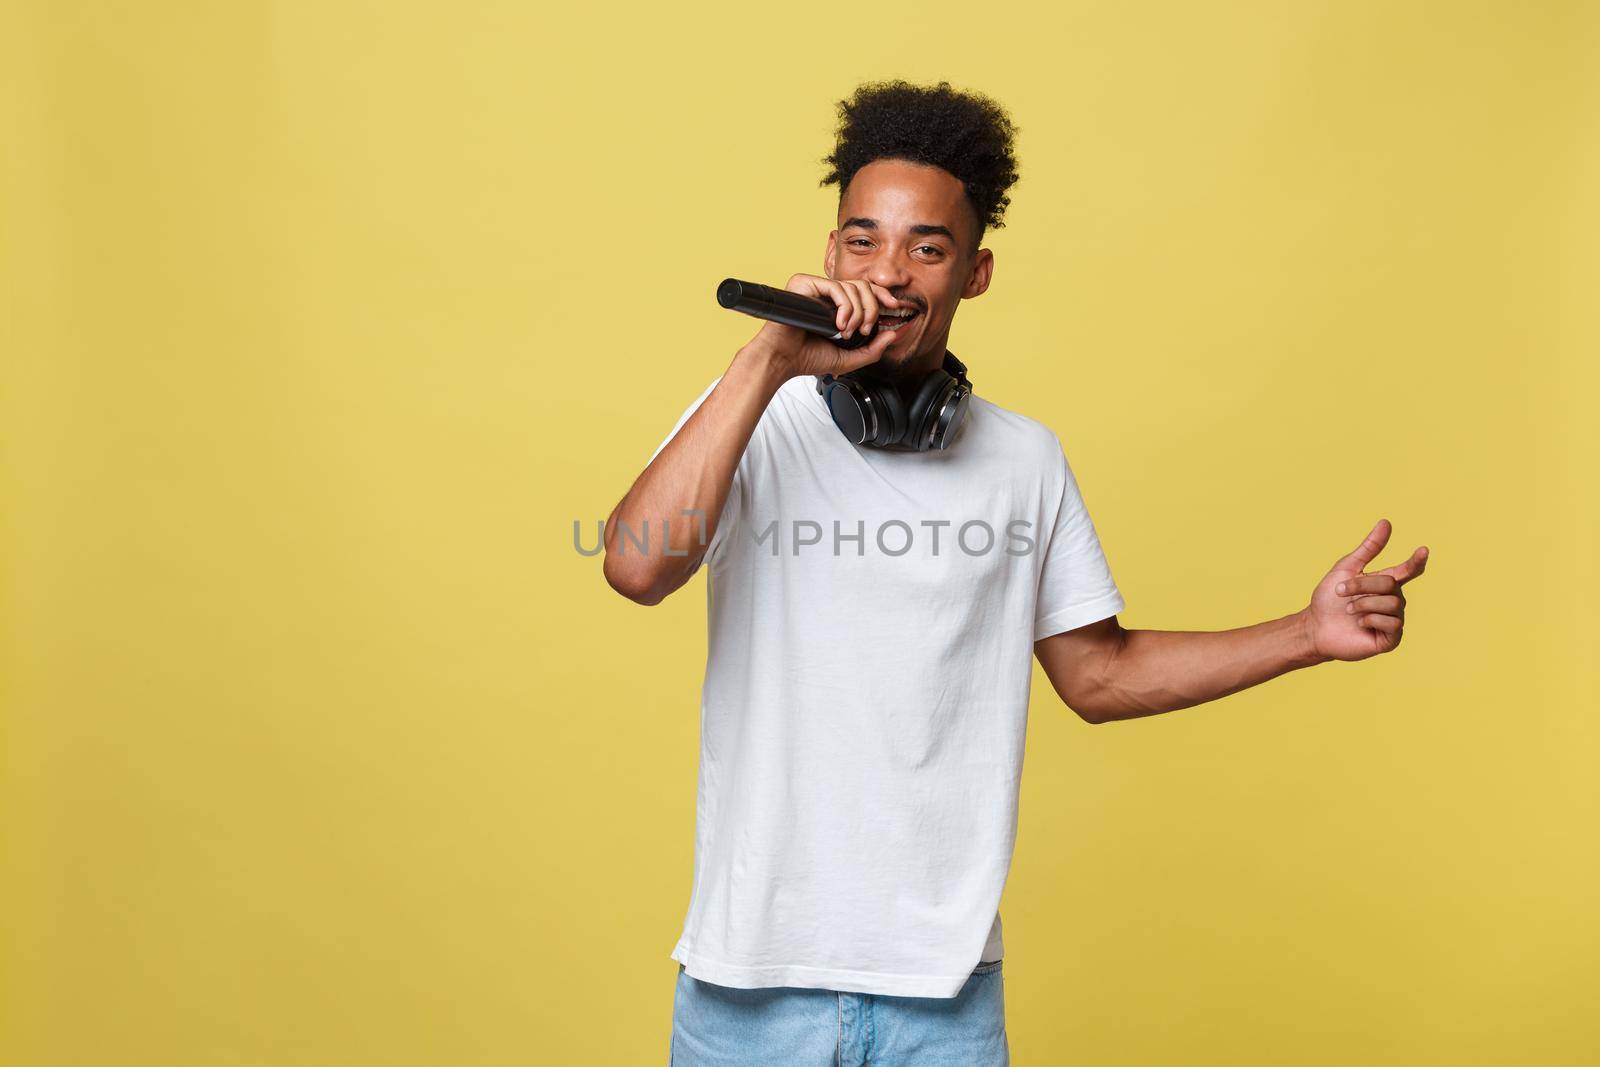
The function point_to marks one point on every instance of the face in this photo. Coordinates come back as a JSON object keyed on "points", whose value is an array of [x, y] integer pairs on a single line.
{"points": [[909, 228]]}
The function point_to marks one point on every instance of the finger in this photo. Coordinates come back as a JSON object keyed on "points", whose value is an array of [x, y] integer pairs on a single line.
{"points": [[1376, 582], [886, 298], [1370, 546], [834, 291], [853, 358], [1404, 572], [851, 305], [1387, 623], [841, 308], [1387, 605], [869, 304], [824, 289]]}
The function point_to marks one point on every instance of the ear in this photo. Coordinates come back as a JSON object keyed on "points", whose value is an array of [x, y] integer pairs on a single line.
{"points": [[982, 271], [831, 255]]}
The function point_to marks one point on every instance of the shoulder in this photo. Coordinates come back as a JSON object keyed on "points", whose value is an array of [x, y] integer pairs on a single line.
{"points": [[1021, 436]]}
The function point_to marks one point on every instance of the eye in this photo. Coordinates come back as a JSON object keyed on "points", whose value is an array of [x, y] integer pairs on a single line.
{"points": [[857, 240], [932, 248]]}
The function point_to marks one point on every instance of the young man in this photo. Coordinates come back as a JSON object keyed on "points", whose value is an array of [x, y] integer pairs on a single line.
{"points": [[872, 617]]}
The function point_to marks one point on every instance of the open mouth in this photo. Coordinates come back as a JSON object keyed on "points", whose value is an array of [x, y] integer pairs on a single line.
{"points": [[894, 319]]}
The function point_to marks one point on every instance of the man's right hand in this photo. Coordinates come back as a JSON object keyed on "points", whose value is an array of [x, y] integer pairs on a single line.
{"points": [[792, 351], [693, 472]]}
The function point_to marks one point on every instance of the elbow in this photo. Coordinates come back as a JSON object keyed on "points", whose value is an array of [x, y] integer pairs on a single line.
{"points": [[632, 582], [644, 584], [1078, 699], [1105, 699], [644, 595], [1095, 694], [1087, 712]]}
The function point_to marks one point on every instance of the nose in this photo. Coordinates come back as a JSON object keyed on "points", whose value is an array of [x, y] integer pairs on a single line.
{"points": [[889, 271]]}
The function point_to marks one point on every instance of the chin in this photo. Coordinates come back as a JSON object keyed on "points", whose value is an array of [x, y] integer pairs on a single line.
{"points": [[904, 364], [889, 368]]}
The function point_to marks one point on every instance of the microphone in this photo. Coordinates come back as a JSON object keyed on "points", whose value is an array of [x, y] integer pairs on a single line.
{"points": [[790, 309]]}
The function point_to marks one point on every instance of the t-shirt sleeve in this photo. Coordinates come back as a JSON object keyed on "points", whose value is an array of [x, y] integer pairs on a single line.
{"points": [[731, 508], [1075, 585]]}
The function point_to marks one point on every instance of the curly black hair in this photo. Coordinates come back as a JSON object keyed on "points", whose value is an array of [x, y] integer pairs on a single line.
{"points": [[965, 133]]}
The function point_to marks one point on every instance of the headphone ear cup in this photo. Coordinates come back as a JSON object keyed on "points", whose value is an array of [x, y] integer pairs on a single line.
{"points": [[949, 415], [925, 408], [850, 411], [867, 415], [892, 427]]}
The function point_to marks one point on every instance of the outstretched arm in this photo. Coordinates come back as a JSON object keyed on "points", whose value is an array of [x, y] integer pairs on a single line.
{"points": [[1104, 672]]}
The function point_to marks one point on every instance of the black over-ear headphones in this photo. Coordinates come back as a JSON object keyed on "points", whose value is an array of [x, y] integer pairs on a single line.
{"points": [[871, 414]]}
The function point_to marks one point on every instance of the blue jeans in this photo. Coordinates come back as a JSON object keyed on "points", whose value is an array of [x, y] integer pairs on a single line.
{"points": [[788, 1026]]}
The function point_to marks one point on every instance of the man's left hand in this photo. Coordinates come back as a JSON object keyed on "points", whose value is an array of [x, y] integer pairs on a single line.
{"points": [[1353, 615]]}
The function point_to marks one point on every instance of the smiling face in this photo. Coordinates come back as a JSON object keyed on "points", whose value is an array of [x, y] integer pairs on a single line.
{"points": [[910, 228]]}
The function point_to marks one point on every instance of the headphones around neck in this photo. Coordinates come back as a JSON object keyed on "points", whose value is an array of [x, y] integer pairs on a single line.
{"points": [[871, 414]]}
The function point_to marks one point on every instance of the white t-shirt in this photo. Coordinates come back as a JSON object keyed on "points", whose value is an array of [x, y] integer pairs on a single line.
{"points": [[866, 698]]}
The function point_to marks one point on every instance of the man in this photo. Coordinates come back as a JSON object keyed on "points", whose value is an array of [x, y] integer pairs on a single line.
{"points": [[866, 689]]}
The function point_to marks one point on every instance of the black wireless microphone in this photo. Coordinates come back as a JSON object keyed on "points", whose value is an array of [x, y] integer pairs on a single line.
{"points": [[790, 309]]}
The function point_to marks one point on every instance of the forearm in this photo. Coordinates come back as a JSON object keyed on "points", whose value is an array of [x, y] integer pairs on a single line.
{"points": [[1155, 671], [679, 497]]}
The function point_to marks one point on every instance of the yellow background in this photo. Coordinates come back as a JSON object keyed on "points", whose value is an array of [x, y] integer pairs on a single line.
{"points": [[324, 321]]}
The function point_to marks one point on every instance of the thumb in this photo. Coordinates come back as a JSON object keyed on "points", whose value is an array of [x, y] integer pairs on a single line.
{"points": [[868, 353]]}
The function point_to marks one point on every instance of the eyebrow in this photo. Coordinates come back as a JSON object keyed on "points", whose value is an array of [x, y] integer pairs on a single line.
{"points": [[921, 229]]}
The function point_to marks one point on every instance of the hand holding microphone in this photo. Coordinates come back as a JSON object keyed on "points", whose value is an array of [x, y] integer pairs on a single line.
{"points": [[806, 313]]}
